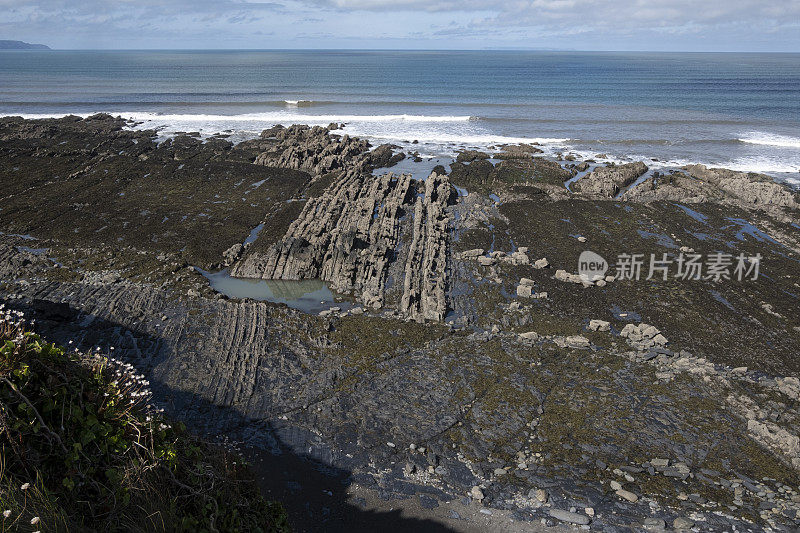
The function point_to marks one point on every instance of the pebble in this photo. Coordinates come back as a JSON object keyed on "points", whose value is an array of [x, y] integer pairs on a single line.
{"points": [[476, 493], [571, 518], [599, 325], [627, 495], [682, 523], [654, 523], [538, 494]]}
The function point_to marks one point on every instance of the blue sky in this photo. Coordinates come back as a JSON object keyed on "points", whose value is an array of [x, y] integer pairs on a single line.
{"points": [[691, 25]]}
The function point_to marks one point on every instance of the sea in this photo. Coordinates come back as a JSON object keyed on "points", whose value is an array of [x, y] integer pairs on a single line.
{"points": [[732, 110]]}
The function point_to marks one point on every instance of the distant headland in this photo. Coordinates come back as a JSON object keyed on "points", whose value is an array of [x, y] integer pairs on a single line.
{"points": [[20, 45]]}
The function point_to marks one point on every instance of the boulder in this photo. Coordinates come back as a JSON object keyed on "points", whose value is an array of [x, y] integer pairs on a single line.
{"points": [[472, 254], [520, 258], [599, 325], [230, 255], [607, 182], [530, 336]]}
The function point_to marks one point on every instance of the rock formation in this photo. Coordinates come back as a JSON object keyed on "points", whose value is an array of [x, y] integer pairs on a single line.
{"points": [[749, 188], [312, 150], [699, 184], [425, 284], [607, 182], [349, 237]]}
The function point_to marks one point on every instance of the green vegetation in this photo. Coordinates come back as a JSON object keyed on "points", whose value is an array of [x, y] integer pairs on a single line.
{"points": [[81, 449]]}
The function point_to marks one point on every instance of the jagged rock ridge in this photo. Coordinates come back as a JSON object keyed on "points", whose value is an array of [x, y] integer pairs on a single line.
{"points": [[349, 236], [425, 285], [312, 150]]}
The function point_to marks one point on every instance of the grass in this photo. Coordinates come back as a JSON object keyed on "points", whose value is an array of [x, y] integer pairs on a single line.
{"points": [[82, 449]]}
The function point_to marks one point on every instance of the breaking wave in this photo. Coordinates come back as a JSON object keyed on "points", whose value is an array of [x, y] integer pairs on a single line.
{"points": [[771, 139], [446, 134]]}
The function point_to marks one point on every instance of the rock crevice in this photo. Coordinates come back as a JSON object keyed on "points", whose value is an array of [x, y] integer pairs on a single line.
{"points": [[425, 285], [351, 234]]}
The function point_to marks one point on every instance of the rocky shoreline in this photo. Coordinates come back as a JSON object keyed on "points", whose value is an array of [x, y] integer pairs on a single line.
{"points": [[473, 367]]}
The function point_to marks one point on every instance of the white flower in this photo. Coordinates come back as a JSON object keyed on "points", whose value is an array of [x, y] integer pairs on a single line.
{"points": [[34, 520], [25, 486], [7, 513]]}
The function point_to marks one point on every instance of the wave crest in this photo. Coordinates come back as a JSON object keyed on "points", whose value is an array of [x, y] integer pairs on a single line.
{"points": [[771, 139]]}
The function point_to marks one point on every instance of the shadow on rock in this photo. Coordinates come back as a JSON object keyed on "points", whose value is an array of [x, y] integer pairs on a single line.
{"points": [[291, 464]]}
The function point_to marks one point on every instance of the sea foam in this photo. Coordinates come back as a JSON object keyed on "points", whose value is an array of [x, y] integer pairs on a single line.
{"points": [[770, 139], [445, 135], [284, 117]]}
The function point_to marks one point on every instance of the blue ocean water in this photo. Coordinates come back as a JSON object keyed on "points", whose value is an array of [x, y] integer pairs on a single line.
{"points": [[739, 111]]}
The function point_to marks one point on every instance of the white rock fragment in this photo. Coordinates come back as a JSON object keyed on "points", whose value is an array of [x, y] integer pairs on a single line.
{"points": [[524, 291], [476, 493], [472, 254], [627, 495], [599, 325]]}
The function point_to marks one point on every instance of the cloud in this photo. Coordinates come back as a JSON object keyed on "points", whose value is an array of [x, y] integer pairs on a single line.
{"points": [[409, 5], [130, 23], [622, 14], [593, 24]]}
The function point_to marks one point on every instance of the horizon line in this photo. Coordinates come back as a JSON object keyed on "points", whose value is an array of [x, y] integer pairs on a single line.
{"points": [[489, 49]]}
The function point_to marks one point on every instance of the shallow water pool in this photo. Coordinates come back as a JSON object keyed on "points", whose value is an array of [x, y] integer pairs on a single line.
{"points": [[309, 296]]}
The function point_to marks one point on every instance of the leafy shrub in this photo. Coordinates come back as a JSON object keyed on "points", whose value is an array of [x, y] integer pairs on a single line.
{"points": [[82, 448]]}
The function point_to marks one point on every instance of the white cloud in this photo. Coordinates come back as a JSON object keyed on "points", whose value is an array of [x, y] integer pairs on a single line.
{"points": [[453, 23]]}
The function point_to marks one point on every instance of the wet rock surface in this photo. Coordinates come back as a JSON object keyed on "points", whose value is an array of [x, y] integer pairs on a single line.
{"points": [[698, 184], [313, 150], [607, 182], [350, 235], [636, 405]]}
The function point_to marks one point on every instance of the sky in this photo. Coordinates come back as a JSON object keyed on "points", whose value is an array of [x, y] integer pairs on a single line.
{"points": [[658, 25]]}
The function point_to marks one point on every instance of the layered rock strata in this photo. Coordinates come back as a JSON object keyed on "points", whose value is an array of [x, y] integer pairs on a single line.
{"points": [[699, 184], [425, 284], [313, 150], [607, 182], [349, 237]]}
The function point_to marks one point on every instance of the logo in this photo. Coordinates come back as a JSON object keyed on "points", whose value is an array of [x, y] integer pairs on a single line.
{"points": [[591, 266]]}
